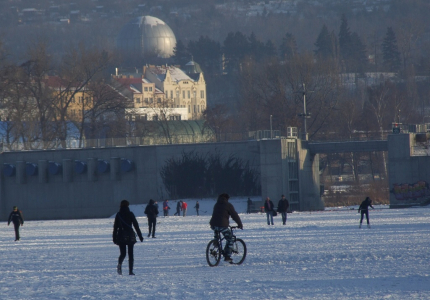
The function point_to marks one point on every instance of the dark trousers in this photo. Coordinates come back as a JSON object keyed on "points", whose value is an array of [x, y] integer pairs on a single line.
{"points": [[16, 226], [284, 217], [166, 212], [197, 211], [151, 226], [177, 212], [122, 251], [364, 212]]}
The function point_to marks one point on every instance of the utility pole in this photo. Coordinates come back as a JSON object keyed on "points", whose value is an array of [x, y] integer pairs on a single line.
{"points": [[305, 115], [271, 131]]}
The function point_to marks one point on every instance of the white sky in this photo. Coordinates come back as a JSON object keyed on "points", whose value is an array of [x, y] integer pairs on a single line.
{"points": [[317, 255]]}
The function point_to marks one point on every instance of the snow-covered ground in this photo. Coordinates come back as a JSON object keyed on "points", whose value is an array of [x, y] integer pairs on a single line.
{"points": [[317, 255]]}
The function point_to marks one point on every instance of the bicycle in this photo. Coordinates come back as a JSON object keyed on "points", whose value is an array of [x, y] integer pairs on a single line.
{"points": [[214, 250]]}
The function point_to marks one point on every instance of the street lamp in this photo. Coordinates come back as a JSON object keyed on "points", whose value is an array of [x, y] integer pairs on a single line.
{"points": [[271, 131], [304, 115]]}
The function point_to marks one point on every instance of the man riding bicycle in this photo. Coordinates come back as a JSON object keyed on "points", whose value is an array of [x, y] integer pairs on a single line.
{"points": [[220, 222]]}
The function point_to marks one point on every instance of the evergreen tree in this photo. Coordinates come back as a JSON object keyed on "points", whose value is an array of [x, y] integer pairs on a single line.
{"points": [[207, 53], [288, 47], [180, 54], [359, 55], [390, 51], [270, 49], [345, 46], [325, 45], [256, 47], [236, 47]]}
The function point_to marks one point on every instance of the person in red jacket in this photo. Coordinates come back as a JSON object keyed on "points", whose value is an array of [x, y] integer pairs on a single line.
{"points": [[219, 223], [184, 208]]}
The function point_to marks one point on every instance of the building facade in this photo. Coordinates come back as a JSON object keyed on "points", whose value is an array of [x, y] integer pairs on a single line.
{"points": [[164, 92]]}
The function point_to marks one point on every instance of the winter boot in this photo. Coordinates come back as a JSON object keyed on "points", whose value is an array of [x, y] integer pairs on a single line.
{"points": [[119, 269], [359, 226], [130, 267]]}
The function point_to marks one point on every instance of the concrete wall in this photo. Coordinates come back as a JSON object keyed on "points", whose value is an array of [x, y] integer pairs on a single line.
{"points": [[92, 194], [409, 173]]}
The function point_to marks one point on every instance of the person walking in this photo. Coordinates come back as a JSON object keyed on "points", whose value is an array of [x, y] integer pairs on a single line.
{"points": [[248, 206], [184, 208], [151, 211], [16, 218], [219, 223], [166, 208], [283, 206], [268, 208], [197, 207], [178, 208], [364, 209], [124, 235]]}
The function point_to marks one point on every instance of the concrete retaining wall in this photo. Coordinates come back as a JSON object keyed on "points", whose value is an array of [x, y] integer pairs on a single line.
{"points": [[90, 183]]}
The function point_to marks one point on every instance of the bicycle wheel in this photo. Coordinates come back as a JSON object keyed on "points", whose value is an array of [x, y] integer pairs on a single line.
{"points": [[213, 253], [238, 253]]}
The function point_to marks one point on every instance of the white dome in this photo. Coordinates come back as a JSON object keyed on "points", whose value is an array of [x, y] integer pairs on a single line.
{"points": [[147, 36]]}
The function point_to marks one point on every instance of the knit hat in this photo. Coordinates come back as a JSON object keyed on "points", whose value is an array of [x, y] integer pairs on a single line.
{"points": [[124, 203]]}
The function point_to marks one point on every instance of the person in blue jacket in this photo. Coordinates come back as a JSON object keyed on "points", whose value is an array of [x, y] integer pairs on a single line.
{"points": [[364, 209]]}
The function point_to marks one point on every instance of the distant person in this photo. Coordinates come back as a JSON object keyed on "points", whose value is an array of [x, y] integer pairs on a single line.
{"points": [[268, 208], [219, 223], [166, 208], [184, 208], [151, 211], [16, 218], [283, 206], [364, 209], [156, 204], [124, 235], [178, 208], [248, 206], [197, 207]]}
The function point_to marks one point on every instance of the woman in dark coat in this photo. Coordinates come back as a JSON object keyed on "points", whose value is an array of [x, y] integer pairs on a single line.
{"points": [[151, 211], [364, 208], [124, 235]]}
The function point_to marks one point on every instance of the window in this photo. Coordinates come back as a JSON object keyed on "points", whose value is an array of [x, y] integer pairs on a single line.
{"points": [[151, 100], [194, 108], [145, 89], [73, 99], [189, 108], [158, 100], [171, 94], [171, 118], [183, 94], [146, 100], [137, 100], [150, 88], [198, 108], [189, 94], [155, 118], [202, 94]]}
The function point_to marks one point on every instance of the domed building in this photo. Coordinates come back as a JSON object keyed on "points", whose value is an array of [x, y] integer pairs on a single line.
{"points": [[146, 36]]}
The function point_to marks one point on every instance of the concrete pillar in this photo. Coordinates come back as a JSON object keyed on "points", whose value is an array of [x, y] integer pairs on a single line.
{"points": [[20, 172], [43, 171], [67, 170], [114, 168], [92, 169]]}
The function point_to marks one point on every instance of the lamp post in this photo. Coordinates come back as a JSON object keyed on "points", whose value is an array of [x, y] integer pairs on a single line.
{"points": [[304, 115], [271, 131]]}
